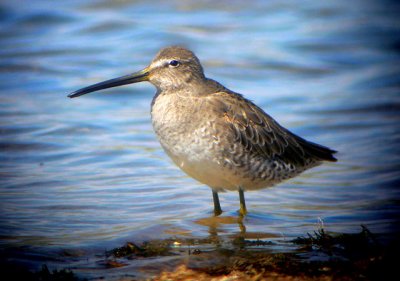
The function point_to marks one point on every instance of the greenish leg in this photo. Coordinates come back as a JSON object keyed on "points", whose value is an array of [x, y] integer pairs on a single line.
{"points": [[217, 206], [241, 225], [243, 210]]}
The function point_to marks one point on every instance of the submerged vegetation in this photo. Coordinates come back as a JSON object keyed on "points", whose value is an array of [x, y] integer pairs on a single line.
{"points": [[146, 249], [14, 272], [318, 256]]}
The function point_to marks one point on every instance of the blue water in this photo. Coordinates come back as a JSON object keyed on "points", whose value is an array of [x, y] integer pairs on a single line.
{"points": [[89, 172]]}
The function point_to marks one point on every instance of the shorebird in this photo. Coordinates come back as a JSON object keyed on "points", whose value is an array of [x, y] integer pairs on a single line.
{"points": [[215, 135]]}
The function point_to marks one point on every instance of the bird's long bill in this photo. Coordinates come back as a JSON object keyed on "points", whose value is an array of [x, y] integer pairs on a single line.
{"points": [[139, 76]]}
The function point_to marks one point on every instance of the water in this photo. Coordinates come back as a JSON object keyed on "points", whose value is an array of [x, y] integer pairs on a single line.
{"points": [[89, 173]]}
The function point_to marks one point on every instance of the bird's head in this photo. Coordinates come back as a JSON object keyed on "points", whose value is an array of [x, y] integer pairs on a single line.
{"points": [[172, 68]]}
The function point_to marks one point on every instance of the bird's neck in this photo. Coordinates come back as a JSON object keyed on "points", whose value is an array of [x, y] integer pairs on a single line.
{"points": [[198, 88]]}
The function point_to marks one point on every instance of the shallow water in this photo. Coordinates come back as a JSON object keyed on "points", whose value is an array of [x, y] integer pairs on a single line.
{"points": [[89, 172]]}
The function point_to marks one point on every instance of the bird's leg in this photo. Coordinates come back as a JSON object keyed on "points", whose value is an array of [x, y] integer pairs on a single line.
{"points": [[217, 206], [242, 226], [243, 210]]}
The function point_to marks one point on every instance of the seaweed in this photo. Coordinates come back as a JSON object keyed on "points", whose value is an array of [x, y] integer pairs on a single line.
{"points": [[17, 272], [146, 249], [320, 255]]}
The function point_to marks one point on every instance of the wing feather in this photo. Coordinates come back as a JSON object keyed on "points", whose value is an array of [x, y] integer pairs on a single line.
{"points": [[259, 133]]}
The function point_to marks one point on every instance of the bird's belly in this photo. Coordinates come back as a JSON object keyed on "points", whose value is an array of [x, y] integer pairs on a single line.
{"points": [[205, 159], [206, 171], [214, 170]]}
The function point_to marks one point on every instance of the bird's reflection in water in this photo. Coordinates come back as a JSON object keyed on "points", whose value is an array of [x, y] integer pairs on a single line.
{"points": [[216, 225]]}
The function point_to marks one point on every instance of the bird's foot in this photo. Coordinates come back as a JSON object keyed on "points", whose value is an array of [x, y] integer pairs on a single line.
{"points": [[217, 212]]}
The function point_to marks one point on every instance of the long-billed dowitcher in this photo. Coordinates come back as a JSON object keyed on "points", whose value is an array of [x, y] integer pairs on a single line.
{"points": [[216, 135]]}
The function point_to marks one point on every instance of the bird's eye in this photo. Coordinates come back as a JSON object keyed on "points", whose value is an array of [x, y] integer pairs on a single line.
{"points": [[174, 63]]}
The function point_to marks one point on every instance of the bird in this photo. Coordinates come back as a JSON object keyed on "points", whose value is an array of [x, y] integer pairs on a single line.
{"points": [[216, 135]]}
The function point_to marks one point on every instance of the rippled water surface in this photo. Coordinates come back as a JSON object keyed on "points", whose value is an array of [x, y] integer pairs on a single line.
{"points": [[89, 172]]}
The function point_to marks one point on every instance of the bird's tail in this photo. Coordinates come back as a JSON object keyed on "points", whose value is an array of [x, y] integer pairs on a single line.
{"points": [[318, 151]]}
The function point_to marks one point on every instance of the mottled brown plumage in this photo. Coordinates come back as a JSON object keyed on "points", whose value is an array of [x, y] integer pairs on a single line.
{"points": [[214, 134]]}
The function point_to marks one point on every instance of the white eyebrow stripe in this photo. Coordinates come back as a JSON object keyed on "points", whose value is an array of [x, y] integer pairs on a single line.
{"points": [[159, 63], [163, 62]]}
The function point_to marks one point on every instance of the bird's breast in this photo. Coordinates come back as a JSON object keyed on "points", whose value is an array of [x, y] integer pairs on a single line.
{"points": [[186, 130], [181, 128]]}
